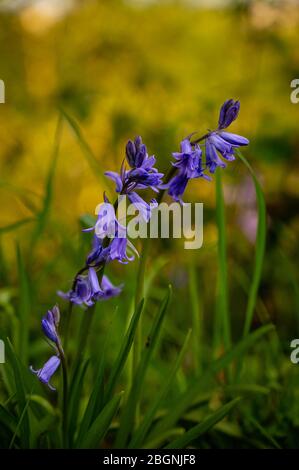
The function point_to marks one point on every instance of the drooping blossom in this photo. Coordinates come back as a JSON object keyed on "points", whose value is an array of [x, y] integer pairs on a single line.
{"points": [[189, 165], [142, 175], [221, 142], [87, 289], [50, 323], [45, 373]]}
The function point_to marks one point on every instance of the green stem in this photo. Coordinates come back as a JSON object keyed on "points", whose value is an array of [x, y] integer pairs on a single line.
{"points": [[66, 325], [222, 258], [137, 346], [84, 332], [139, 295], [65, 397]]}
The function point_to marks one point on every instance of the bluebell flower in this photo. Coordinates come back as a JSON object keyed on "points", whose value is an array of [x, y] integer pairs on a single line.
{"points": [[177, 186], [85, 289], [142, 174], [121, 248], [98, 255], [228, 113], [189, 159], [136, 154], [189, 165], [108, 290], [144, 209], [45, 373], [50, 323], [106, 221], [221, 142]]}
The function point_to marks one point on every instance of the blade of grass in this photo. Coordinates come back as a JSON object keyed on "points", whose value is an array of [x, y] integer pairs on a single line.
{"points": [[201, 428], [7, 419], [43, 214], [291, 272], [23, 423], [141, 432], [260, 248], [222, 303], [15, 225], [124, 352], [22, 417], [128, 415], [94, 404], [139, 294], [22, 194], [24, 307], [264, 432], [74, 401], [101, 424], [197, 322], [185, 399], [155, 443], [96, 399], [94, 164]]}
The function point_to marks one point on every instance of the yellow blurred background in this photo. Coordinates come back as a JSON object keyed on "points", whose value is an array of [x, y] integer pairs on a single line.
{"points": [[158, 69]]}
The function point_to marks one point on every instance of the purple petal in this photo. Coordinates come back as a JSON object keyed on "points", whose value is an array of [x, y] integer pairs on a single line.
{"points": [[142, 206], [116, 178], [49, 368], [234, 139], [186, 146], [94, 282], [212, 158]]}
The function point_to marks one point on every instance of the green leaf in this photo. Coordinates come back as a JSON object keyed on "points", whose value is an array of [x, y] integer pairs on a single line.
{"points": [[74, 397], [12, 227], [264, 432], [25, 195], [260, 248], [96, 399], [94, 403], [20, 422], [43, 214], [197, 318], [222, 301], [7, 419], [24, 307], [128, 415], [23, 423], [86, 149], [201, 428], [141, 432], [124, 352], [101, 424], [155, 443], [184, 400]]}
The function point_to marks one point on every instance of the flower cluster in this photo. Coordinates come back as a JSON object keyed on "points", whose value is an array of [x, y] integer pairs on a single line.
{"points": [[189, 160], [110, 238], [110, 241], [50, 324], [189, 165], [142, 175], [87, 289]]}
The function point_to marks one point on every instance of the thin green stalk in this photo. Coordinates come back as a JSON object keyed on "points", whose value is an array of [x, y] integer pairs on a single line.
{"points": [[65, 396], [139, 294], [84, 332], [66, 325], [260, 245], [222, 305], [137, 346], [196, 310]]}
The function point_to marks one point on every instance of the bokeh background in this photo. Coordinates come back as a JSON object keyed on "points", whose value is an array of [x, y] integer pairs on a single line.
{"points": [[161, 70]]}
